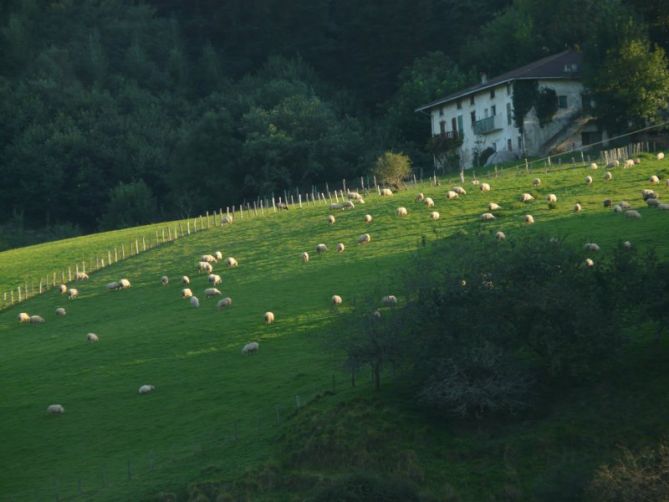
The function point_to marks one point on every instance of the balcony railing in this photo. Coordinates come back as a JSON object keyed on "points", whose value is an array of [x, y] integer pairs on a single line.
{"points": [[486, 125], [448, 134]]}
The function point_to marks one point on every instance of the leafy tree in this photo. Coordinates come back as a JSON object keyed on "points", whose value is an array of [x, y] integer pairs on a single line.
{"points": [[525, 94], [546, 105], [130, 204], [392, 168]]}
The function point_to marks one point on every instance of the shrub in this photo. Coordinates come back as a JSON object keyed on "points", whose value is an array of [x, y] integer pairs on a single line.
{"points": [[392, 168], [365, 487], [130, 204]]}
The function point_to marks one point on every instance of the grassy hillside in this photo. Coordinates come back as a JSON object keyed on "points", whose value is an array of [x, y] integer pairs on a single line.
{"points": [[214, 411]]}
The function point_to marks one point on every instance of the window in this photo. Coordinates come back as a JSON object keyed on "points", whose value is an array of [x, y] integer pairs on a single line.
{"points": [[509, 145], [454, 125], [459, 104], [442, 127], [460, 125], [520, 143], [441, 112], [509, 117], [493, 110], [494, 145], [485, 113], [471, 99], [492, 93], [562, 101], [473, 115]]}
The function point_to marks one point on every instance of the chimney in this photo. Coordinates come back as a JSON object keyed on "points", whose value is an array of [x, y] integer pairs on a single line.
{"points": [[484, 78]]}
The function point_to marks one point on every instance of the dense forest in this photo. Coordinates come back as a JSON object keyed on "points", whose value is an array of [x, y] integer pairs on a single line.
{"points": [[119, 112]]}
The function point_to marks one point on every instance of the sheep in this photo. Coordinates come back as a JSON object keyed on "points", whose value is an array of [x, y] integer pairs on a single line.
{"points": [[185, 280], [164, 280], [376, 314], [92, 338], [218, 255], [588, 180], [617, 208], [72, 293], [63, 289], [194, 302], [389, 300], [420, 197], [386, 192], [124, 284], [529, 219], [663, 207], [214, 279], [459, 190], [331, 219], [208, 258], [81, 276], [321, 248], [336, 205], [594, 165], [591, 246], [355, 196], [628, 163], [624, 204], [627, 245], [551, 198], [654, 180], [451, 195], [476, 182], [24, 317], [660, 156], [637, 161], [282, 205], [204, 266], [269, 317], [36, 319], [648, 194], [336, 300], [500, 236], [186, 293], [225, 302], [653, 202], [368, 218], [578, 208], [348, 204], [428, 202], [364, 239], [60, 311], [493, 206], [250, 348], [487, 217], [485, 187], [613, 163], [402, 211], [526, 197], [589, 263], [55, 409], [607, 202], [209, 292], [230, 262], [340, 247], [536, 182], [608, 176], [434, 215], [113, 286], [631, 213], [305, 257], [227, 219], [145, 389]]}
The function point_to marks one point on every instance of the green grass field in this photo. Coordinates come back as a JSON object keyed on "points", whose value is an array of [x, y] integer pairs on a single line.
{"points": [[215, 413]]}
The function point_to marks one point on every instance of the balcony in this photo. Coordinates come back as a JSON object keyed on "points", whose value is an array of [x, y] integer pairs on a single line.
{"points": [[448, 135], [487, 125]]}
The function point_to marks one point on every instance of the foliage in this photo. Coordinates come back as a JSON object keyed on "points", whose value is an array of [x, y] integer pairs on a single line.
{"points": [[363, 487], [546, 105], [445, 148], [129, 205], [524, 98], [392, 169]]}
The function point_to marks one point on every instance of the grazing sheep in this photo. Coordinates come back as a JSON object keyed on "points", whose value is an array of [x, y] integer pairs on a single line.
{"points": [[660, 156], [364, 239], [608, 176], [230, 262], [63, 289], [664, 207], [500, 236], [227, 219], [631, 213], [72, 293], [434, 215], [209, 258], [282, 205], [578, 208], [459, 190], [594, 165], [209, 292], [385, 192], [24, 318], [476, 182], [654, 180], [185, 280], [204, 266], [637, 160], [487, 217], [250, 348], [551, 198], [429, 202], [124, 283], [348, 204], [145, 389], [588, 180], [225, 302], [451, 195], [529, 219], [627, 245], [607, 202], [493, 206], [186, 293], [269, 317], [336, 205], [214, 279], [81, 276], [526, 197], [194, 302], [336, 300], [60, 311], [218, 255], [113, 286], [55, 409], [536, 182], [591, 246], [648, 194], [331, 219], [368, 218], [420, 197], [653, 202], [389, 300], [355, 196], [628, 163], [36, 319], [624, 204], [402, 211], [164, 280], [617, 208], [376, 314], [321, 248], [613, 163], [589, 263], [485, 187], [92, 338], [340, 247], [305, 257]]}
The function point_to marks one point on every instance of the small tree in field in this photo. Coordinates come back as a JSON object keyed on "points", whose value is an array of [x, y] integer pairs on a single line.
{"points": [[391, 169]]}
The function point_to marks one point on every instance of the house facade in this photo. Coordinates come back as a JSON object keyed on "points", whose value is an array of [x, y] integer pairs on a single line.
{"points": [[482, 115]]}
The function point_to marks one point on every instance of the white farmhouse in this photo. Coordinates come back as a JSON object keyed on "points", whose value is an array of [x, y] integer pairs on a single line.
{"points": [[483, 114]]}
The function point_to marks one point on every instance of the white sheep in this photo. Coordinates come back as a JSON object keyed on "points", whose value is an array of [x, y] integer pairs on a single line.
{"points": [[225, 302], [331, 219], [420, 197], [24, 317], [336, 205], [60, 311], [617, 208], [204, 266], [92, 338], [608, 176], [493, 206], [637, 160], [305, 257], [487, 217], [624, 204], [613, 163], [529, 219], [218, 255], [459, 190], [269, 317], [321, 248], [348, 204], [385, 192], [214, 279], [588, 180], [145, 389], [627, 245], [164, 280], [209, 292], [376, 314], [500, 236], [368, 218], [81, 276], [186, 293], [55, 409], [340, 247], [230, 262], [72, 293], [653, 202], [63, 289], [113, 286], [429, 202], [356, 196], [250, 348], [591, 246], [389, 300], [589, 263], [402, 211], [336, 300], [209, 258], [485, 187], [476, 182], [664, 207], [434, 215], [451, 195], [185, 280], [660, 156], [594, 165], [536, 182], [364, 239], [631, 213], [124, 284], [526, 197], [194, 301], [654, 180], [578, 208], [628, 163], [648, 194], [551, 198], [227, 219], [36, 319]]}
